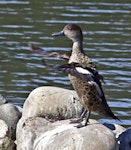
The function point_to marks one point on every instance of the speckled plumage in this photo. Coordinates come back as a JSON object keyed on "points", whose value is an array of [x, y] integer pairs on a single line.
{"points": [[88, 89]]}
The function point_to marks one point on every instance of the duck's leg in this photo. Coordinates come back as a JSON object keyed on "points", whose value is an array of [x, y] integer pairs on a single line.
{"points": [[87, 118], [78, 120]]}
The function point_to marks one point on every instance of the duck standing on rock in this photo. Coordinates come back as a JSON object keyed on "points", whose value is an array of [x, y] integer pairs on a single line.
{"points": [[84, 76]]}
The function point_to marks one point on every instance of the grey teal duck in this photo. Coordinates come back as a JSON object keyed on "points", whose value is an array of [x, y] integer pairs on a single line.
{"points": [[84, 75]]}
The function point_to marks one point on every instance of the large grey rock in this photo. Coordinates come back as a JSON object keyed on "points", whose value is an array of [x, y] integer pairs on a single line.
{"points": [[38, 134], [28, 130], [5, 142], [10, 114], [53, 103], [124, 140], [65, 136]]}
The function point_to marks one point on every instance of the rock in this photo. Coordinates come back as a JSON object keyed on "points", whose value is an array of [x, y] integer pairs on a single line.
{"points": [[10, 114], [27, 130], [53, 103], [5, 142], [116, 129], [124, 140], [33, 134], [66, 136], [2, 100]]}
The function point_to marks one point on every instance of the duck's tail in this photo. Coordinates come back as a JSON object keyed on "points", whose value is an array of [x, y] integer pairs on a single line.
{"points": [[109, 113]]}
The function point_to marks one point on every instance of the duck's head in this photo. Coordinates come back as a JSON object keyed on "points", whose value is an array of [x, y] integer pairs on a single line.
{"points": [[72, 31]]}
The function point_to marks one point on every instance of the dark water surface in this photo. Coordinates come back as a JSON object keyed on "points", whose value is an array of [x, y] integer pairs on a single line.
{"points": [[107, 40]]}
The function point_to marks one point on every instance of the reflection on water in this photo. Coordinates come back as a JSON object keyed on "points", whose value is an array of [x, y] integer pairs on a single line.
{"points": [[107, 31]]}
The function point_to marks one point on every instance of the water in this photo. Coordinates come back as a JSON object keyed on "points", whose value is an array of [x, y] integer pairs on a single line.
{"points": [[107, 40]]}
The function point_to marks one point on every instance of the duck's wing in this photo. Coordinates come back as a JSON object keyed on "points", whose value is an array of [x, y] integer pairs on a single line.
{"points": [[41, 51], [89, 76], [74, 69], [79, 71], [86, 74]]}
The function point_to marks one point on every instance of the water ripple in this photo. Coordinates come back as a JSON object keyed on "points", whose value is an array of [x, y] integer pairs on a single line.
{"points": [[106, 28]]}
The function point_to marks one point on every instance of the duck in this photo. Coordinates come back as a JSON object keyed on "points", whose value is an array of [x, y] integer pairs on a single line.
{"points": [[84, 76]]}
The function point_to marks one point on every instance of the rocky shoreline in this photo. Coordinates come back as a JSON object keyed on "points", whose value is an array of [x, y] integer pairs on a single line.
{"points": [[44, 124]]}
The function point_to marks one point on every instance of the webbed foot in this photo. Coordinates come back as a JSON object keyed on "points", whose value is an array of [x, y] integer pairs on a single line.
{"points": [[80, 125], [76, 120]]}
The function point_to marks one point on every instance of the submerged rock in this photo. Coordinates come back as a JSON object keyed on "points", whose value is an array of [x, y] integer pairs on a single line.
{"points": [[124, 140], [116, 129]]}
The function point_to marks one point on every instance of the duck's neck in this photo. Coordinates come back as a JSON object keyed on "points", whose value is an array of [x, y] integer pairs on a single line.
{"points": [[77, 52], [77, 47]]}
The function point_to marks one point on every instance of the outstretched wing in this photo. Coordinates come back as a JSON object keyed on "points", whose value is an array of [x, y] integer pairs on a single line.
{"points": [[66, 56], [41, 51]]}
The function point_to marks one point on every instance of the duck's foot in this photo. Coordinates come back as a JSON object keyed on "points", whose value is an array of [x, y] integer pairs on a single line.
{"points": [[80, 121], [80, 125], [76, 120]]}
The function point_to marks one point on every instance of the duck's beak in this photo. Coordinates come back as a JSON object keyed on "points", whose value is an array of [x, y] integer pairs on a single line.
{"points": [[61, 33]]}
